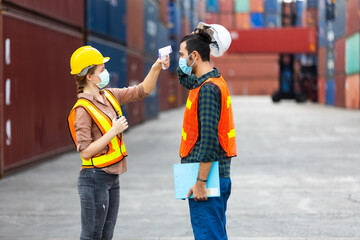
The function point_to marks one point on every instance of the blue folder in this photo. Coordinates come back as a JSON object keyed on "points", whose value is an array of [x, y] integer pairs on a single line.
{"points": [[185, 176]]}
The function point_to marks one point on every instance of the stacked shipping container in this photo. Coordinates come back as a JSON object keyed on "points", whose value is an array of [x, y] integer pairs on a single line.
{"points": [[339, 66], [126, 30], [352, 53], [245, 74], [38, 39]]}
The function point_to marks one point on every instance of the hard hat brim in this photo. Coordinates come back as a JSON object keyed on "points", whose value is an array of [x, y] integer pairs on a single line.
{"points": [[106, 59]]}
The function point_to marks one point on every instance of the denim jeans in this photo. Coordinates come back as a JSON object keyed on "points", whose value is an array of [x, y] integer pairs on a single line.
{"points": [[99, 197], [208, 218]]}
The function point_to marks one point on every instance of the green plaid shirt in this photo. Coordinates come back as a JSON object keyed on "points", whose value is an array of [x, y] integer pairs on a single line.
{"points": [[207, 148]]}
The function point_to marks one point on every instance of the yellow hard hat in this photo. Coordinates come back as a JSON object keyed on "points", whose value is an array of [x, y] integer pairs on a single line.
{"points": [[85, 57]]}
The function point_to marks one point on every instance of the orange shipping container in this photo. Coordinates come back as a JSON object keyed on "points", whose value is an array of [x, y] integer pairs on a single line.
{"points": [[227, 20], [352, 86], [257, 6], [242, 21], [321, 90]]}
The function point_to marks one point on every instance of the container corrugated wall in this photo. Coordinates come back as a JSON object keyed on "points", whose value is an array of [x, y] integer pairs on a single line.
{"points": [[107, 18], [135, 75], [37, 102], [68, 11], [151, 18], [135, 24], [152, 100]]}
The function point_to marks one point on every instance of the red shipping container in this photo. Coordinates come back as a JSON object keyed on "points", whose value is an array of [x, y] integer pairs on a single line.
{"points": [[352, 17], [227, 20], [352, 86], [256, 86], [202, 9], [163, 11], [287, 9], [257, 6], [340, 56], [247, 68], [185, 27], [67, 11], [322, 62], [275, 40], [226, 6], [39, 90], [135, 75], [135, 24], [340, 90], [212, 18], [321, 90], [311, 17], [167, 97], [242, 20]]}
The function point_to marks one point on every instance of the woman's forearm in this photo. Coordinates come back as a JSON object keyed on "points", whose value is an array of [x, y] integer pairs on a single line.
{"points": [[151, 79], [95, 147]]}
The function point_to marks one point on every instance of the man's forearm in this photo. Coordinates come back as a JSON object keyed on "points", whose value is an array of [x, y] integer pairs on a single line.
{"points": [[204, 170]]}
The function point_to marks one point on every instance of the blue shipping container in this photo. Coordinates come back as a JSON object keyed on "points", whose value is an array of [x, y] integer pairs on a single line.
{"points": [[151, 27], [330, 92], [185, 8], [322, 29], [212, 6], [340, 19], [194, 19], [152, 100], [163, 39], [312, 3], [272, 20], [116, 66], [272, 6], [174, 19], [174, 56], [256, 20], [107, 18], [300, 8], [330, 35], [330, 64]]}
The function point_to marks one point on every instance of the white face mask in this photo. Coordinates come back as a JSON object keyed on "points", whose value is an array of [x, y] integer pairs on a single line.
{"points": [[105, 79]]}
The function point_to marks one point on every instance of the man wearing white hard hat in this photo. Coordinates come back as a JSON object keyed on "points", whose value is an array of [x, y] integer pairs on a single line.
{"points": [[208, 132]]}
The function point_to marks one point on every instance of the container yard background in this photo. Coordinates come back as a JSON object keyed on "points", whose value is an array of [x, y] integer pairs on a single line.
{"points": [[39, 36]]}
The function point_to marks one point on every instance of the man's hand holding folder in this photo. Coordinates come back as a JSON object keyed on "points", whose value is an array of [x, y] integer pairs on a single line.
{"points": [[199, 190]]}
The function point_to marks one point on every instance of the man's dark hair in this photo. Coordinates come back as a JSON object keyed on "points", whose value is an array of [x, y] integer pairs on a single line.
{"points": [[198, 41]]}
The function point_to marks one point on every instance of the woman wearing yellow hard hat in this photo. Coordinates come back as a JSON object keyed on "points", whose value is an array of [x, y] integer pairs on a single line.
{"points": [[96, 125]]}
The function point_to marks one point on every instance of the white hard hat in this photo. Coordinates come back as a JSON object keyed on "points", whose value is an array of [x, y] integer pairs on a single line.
{"points": [[220, 37]]}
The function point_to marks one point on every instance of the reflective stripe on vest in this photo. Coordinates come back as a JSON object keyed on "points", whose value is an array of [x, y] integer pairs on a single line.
{"points": [[117, 150], [226, 129]]}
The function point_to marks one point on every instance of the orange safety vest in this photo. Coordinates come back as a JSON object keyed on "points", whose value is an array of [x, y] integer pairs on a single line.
{"points": [[226, 129], [117, 150]]}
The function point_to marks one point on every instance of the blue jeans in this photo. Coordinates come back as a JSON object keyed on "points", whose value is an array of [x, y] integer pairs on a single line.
{"points": [[99, 197], [208, 218]]}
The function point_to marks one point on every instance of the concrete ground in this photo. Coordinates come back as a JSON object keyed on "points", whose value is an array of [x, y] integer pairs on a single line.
{"points": [[296, 177]]}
